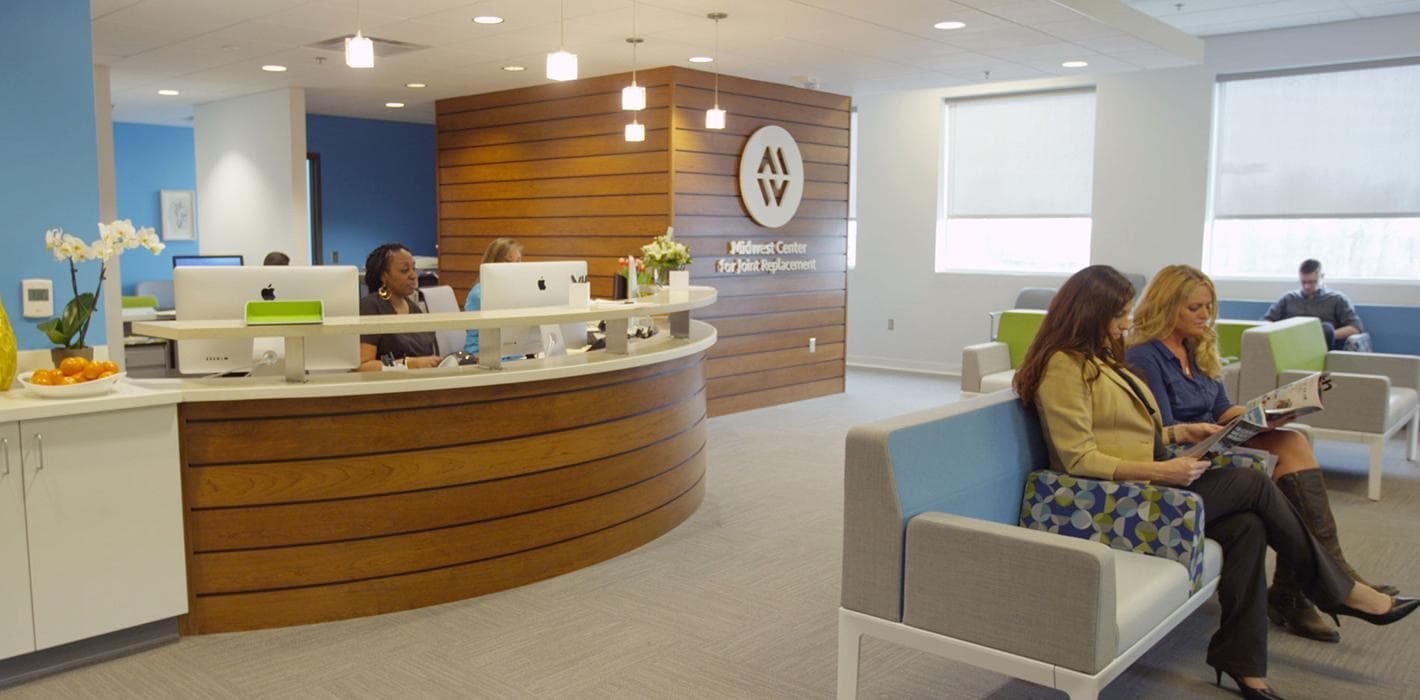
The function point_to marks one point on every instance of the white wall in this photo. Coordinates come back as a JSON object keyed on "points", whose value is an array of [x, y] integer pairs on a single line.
{"points": [[251, 176], [1151, 190]]}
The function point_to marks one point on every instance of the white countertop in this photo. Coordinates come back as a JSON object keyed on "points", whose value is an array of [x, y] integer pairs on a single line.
{"points": [[20, 403]]}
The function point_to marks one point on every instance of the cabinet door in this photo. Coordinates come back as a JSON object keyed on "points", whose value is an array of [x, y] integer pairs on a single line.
{"points": [[104, 506], [17, 632]]}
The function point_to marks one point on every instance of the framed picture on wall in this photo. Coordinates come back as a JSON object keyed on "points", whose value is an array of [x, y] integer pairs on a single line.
{"points": [[179, 216]]}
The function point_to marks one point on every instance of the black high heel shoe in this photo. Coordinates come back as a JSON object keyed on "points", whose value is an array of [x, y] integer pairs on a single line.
{"points": [[1249, 692], [1400, 607]]}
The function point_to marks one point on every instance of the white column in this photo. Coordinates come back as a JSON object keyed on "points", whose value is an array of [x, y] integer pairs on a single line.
{"points": [[108, 211], [251, 176]]}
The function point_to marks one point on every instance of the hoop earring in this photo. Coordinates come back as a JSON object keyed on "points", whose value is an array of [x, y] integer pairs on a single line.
{"points": [[384, 292]]}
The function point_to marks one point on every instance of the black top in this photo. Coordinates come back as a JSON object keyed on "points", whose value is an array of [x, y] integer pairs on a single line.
{"points": [[395, 346]]}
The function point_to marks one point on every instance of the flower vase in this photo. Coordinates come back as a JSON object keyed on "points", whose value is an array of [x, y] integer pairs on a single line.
{"points": [[9, 350], [57, 355]]}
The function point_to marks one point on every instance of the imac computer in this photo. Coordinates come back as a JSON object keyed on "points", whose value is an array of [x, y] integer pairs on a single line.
{"points": [[217, 293], [525, 285], [207, 260]]}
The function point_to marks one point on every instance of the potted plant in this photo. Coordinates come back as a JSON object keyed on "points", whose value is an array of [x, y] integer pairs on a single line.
{"points": [[70, 329]]}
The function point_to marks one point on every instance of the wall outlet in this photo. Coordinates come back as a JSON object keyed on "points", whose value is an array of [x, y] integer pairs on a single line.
{"points": [[813, 344], [890, 324]]}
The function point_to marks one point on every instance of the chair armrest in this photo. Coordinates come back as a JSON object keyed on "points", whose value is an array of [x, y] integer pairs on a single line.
{"points": [[1131, 515], [1403, 370], [1355, 402], [994, 318], [1036, 594], [982, 359], [1359, 342]]}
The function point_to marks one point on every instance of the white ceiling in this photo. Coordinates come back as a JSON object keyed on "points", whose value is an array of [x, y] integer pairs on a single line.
{"points": [[214, 49]]}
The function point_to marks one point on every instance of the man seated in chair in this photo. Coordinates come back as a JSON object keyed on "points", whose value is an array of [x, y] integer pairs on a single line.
{"points": [[1338, 318]]}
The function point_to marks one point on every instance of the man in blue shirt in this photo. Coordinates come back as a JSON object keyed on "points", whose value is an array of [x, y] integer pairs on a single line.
{"points": [[1338, 319]]}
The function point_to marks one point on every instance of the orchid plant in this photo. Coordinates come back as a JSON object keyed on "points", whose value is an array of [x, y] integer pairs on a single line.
{"points": [[70, 328]]}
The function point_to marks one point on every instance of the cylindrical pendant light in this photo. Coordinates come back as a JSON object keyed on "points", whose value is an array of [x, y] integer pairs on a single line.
{"points": [[562, 64], [359, 50], [633, 96], [715, 117]]}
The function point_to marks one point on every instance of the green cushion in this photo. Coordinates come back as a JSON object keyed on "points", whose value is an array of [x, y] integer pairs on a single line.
{"points": [[143, 302], [1017, 329], [1230, 337], [1301, 347]]}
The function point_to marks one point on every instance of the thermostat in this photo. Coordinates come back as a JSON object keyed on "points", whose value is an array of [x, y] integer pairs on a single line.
{"points": [[38, 296]]}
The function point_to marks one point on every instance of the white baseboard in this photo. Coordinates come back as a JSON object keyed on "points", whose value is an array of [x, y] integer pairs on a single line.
{"points": [[942, 369]]}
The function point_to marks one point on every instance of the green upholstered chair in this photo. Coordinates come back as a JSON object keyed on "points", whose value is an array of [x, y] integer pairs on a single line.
{"points": [[1230, 348], [140, 302], [1372, 397], [988, 367]]}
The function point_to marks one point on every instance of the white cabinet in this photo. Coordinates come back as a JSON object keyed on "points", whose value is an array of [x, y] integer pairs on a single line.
{"points": [[16, 625], [103, 516]]}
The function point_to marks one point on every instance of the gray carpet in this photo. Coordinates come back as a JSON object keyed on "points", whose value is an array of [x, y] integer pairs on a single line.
{"points": [[741, 600]]}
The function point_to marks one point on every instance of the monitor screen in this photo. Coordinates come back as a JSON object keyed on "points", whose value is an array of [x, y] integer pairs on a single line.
{"points": [[525, 285], [221, 293], [207, 260]]}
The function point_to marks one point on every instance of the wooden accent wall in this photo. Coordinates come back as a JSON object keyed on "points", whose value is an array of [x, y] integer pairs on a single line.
{"points": [[548, 165], [299, 511]]}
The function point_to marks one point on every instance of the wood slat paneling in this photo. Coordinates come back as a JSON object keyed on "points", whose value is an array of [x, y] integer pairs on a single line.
{"points": [[775, 340], [756, 88], [729, 186], [570, 127], [745, 285], [641, 183], [654, 77], [549, 110], [744, 125], [732, 144], [774, 303], [566, 226], [584, 166], [603, 205], [712, 164], [776, 396], [717, 205], [657, 136], [775, 359], [700, 99], [751, 325], [741, 227], [772, 379]]}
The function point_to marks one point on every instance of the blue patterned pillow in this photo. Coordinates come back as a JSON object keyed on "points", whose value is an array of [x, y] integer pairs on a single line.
{"points": [[1129, 515]]}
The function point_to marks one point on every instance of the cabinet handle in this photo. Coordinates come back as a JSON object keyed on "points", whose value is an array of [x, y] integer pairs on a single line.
{"points": [[5, 447], [39, 440]]}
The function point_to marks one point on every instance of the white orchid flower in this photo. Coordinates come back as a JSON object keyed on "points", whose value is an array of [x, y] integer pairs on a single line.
{"points": [[52, 238]]}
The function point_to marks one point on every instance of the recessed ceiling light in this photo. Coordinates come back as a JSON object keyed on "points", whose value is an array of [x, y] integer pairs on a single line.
{"points": [[415, 85], [273, 68], [168, 93], [1075, 64], [487, 19], [513, 69], [701, 59], [394, 105], [949, 25]]}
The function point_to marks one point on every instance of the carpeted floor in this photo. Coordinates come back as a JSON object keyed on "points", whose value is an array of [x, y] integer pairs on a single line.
{"points": [[741, 601]]}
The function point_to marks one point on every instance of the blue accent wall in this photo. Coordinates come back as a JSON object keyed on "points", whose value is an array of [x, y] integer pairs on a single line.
{"points": [[49, 150], [377, 185], [148, 159]]}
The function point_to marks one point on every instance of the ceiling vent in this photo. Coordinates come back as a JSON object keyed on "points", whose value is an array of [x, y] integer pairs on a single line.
{"points": [[383, 47]]}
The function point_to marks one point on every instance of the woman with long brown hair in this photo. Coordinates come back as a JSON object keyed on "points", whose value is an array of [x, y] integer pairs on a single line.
{"points": [[1173, 344], [498, 250], [1100, 421]]}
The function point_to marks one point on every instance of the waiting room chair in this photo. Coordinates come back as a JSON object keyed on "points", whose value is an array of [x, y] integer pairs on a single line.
{"points": [[988, 367], [1372, 397]]}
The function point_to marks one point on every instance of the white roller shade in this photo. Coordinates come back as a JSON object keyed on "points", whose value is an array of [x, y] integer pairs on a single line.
{"points": [[1318, 145], [1021, 156]]}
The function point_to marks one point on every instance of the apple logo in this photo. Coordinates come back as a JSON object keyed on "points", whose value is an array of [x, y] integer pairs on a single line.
{"points": [[541, 284], [269, 293]]}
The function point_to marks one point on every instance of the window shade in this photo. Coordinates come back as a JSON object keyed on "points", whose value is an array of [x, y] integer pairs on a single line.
{"points": [[1021, 156], [1335, 144]]}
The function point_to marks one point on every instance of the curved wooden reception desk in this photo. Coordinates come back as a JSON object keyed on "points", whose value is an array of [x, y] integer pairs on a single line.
{"points": [[353, 495]]}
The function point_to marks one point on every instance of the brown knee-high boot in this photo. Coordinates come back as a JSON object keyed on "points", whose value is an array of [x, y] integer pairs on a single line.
{"points": [[1306, 490], [1289, 607]]}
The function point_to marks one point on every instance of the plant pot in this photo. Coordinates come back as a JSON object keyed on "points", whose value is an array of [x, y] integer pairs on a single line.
{"points": [[57, 355]]}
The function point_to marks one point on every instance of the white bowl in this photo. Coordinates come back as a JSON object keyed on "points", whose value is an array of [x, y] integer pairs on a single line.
{"points": [[93, 387]]}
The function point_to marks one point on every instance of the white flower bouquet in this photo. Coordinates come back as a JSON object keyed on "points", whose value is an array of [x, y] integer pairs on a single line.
{"points": [[70, 328]]}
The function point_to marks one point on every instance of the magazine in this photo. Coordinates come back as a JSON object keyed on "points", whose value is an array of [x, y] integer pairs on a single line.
{"points": [[1287, 402]]}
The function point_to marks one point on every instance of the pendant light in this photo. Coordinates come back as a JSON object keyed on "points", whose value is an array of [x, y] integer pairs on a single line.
{"points": [[633, 96], [715, 117], [562, 64], [635, 131], [359, 50]]}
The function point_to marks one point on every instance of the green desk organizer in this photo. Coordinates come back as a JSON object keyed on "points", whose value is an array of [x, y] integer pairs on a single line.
{"points": [[269, 313]]}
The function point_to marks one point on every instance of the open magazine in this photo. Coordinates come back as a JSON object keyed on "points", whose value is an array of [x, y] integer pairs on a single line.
{"points": [[1286, 402]]}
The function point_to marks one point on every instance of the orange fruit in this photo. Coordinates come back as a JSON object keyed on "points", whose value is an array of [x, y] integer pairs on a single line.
{"points": [[40, 377], [92, 372], [67, 380], [108, 366], [106, 374], [71, 366]]}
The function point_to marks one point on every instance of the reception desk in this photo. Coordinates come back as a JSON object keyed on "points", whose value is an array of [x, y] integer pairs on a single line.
{"points": [[356, 494]]}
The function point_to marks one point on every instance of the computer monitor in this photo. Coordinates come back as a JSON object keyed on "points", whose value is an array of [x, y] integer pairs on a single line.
{"points": [[525, 285], [217, 293], [207, 260]]}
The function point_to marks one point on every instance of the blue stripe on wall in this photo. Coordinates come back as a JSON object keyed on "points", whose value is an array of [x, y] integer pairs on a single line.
{"points": [[49, 148], [148, 159], [377, 185]]}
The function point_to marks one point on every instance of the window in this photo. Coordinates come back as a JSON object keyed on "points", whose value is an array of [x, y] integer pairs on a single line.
{"points": [[853, 188], [1318, 165], [1018, 177]]}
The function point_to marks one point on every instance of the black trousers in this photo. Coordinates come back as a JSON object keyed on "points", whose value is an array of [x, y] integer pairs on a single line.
{"points": [[1245, 513]]}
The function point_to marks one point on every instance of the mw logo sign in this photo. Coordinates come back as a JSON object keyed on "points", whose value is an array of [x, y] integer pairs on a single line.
{"points": [[771, 176]]}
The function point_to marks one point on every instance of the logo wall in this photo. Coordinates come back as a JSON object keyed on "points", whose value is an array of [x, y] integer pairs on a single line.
{"points": [[771, 176]]}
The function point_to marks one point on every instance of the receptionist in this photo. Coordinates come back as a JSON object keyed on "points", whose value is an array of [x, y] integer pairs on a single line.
{"points": [[394, 289]]}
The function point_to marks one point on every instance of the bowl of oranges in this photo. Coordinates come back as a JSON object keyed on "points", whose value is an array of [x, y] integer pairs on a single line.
{"points": [[73, 378]]}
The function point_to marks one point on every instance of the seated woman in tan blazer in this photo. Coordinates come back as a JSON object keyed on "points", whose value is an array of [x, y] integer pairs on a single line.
{"points": [[1100, 421]]}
